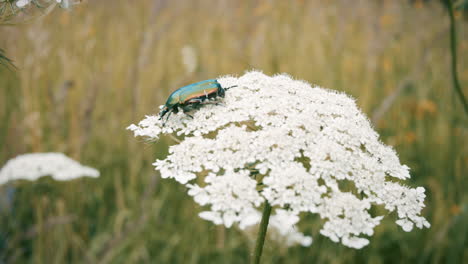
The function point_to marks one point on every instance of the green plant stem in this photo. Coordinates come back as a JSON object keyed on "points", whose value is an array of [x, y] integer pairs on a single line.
{"points": [[5, 61], [453, 50], [262, 233]]}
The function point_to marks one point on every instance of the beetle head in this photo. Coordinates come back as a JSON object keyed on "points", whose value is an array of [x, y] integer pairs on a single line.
{"points": [[163, 112], [221, 92]]}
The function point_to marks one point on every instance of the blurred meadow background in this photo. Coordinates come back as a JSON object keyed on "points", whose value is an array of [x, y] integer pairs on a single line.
{"points": [[84, 75]]}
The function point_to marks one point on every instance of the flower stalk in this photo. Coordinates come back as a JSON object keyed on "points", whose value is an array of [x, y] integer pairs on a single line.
{"points": [[453, 55], [262, 233]]}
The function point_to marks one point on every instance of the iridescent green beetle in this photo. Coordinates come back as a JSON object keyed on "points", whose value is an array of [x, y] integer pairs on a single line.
{"points": [[192, 96]]}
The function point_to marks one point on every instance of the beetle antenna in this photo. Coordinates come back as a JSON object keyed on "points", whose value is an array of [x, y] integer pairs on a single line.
{"points": [[230, 87]]}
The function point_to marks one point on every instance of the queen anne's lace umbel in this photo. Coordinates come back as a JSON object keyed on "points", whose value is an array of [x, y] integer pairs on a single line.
{"points": [[281, 140], [35, 165]]}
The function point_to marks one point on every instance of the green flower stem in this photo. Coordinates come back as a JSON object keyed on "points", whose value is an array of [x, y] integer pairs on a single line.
{"points": [[453, 53], [262, 233]]}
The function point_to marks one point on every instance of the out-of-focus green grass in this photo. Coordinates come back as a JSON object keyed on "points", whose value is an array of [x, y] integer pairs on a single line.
{"points": [[83, 76]]}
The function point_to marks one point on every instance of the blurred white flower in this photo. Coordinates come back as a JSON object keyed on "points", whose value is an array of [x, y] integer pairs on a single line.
{"points": [[64, 3], [35, 165], [22, 3], [281, 140], [67, 3], [189, 59]]}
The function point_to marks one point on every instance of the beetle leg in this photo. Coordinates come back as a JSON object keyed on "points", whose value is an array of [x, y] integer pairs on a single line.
{"points": [[187, 114], [186, 110], [212, 102], [174, 109], [194, 101], [167, 118]]}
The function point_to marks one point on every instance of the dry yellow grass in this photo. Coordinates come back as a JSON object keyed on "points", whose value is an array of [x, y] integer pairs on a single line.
{"points": [[84, 75]]}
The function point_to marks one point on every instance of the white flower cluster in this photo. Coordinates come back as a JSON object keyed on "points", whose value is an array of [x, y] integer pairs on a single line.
{"points": [[35, 165], [283, 225], [281, 140]]}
